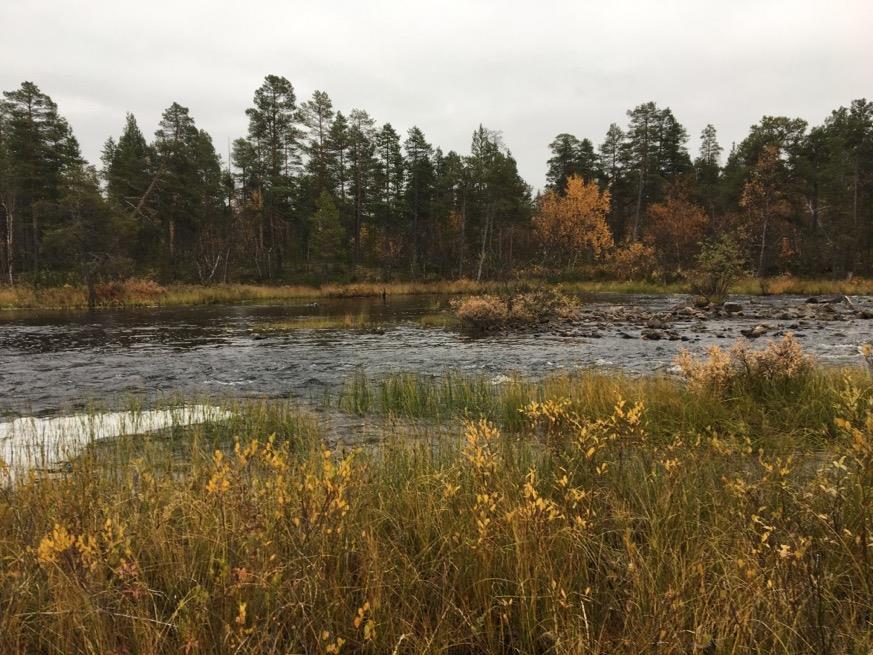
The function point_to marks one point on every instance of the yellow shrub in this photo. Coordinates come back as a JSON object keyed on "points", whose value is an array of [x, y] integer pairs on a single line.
{"points": [[488, 311], [779, 361]]}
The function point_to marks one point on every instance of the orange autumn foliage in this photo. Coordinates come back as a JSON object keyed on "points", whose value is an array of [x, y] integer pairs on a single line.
{"points": [[574, 223], [676, 226]]}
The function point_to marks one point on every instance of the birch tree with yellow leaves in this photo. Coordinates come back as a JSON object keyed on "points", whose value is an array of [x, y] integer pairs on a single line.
{"points": [[574, 224]]}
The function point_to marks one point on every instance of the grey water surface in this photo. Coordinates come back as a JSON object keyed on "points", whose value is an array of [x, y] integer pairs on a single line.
{"points": [[52, 362]]}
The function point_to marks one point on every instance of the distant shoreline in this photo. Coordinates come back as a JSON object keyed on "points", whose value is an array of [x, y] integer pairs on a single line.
{"points": [[138, 293]]}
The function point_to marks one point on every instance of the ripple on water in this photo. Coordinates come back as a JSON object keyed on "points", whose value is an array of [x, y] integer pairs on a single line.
{"points": [[52, 361]]}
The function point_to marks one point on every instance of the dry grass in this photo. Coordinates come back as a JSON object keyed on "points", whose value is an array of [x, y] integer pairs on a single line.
{"points": [[339, 322], [788, 284], [137, 293], [572, 535]]}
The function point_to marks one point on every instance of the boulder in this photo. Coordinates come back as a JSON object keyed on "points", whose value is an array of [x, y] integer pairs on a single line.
{"points": [[732, 307], [755, 332]]}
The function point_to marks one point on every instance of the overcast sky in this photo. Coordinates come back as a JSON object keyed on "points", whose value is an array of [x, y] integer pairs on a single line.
{"points": [[529, 69]]}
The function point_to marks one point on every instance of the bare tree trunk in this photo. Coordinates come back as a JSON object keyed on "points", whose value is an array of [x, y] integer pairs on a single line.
{"points": [[226, 264], [761, 254], [172, 237], [463, 244], [484, 243], [9, 210], [139, 205], [35, 241], [92, 290], [855, 236], [639, 208], [358, 211], [278, 238], [261, 254]]}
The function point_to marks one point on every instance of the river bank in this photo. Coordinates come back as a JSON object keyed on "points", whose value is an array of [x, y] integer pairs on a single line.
{"points": [[145, 293]]}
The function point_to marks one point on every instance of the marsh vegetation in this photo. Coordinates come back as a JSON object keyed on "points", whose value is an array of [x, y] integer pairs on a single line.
{"points": [[724, 510]]}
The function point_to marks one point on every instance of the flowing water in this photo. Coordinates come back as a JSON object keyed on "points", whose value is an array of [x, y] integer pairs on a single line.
{"points": [[56, 362]]}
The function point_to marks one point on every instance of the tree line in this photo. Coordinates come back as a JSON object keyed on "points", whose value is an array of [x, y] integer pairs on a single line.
{"points": [[793, 199], [311, 193]]}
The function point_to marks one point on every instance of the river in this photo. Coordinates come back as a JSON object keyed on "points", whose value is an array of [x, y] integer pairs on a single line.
{"points": [[56, 362]]}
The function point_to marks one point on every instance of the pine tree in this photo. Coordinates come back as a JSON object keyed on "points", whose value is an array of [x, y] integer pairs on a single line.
{"points": [[362, 134], [570, 156], [326, 232], [419, 189], [93, 238], [189, 188], [563, 162], [641, 144], [128, 170], [610, 160], [498, 199], [707, 168], [8, 205], [338, 148], [612, 164], [274, 134], [656, 151], [317, 115], [389, 176], [40, 150], [127, 166]]}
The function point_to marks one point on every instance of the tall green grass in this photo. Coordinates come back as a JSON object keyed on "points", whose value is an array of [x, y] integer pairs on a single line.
{"points": [[787, 413]]}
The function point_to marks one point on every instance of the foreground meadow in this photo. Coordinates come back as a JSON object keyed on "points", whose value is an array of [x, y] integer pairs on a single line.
{"points": [[729, 512]]}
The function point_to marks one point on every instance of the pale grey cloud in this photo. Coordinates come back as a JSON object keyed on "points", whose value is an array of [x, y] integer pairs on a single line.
{"points": [[529, 69]]}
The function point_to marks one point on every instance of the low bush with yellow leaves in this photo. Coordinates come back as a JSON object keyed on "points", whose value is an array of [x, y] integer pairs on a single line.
{"points": [[722, 370]]}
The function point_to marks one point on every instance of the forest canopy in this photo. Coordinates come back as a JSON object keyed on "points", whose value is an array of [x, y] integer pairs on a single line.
{"points": [[313, 193]]}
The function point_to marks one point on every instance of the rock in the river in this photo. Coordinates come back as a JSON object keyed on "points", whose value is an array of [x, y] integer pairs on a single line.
{"points": [[866, 314], [755, 332], [701, 302], [815, 300], [732, 307], [651, 335]]}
